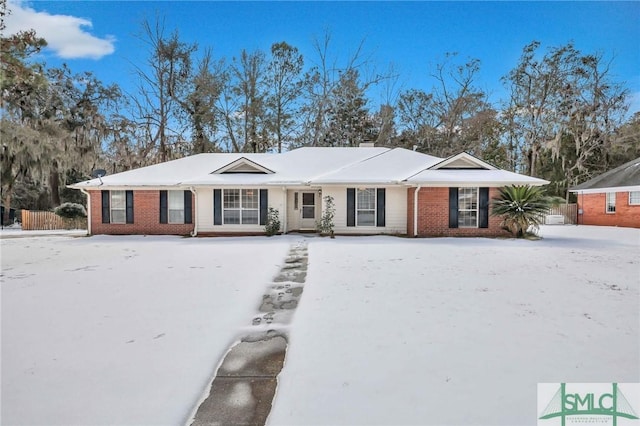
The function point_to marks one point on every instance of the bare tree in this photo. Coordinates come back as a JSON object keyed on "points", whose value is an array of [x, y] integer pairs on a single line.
{"points": [[167, 66], [284, 83]]}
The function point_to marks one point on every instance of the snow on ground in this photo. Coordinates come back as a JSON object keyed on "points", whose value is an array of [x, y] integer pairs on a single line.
{"points": [[122, 330], [458, 331], [128, 330]]}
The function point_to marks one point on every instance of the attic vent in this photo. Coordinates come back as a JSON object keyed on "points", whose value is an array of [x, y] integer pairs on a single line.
{"points": [[244, 168], [462, 163], [243, 165]]}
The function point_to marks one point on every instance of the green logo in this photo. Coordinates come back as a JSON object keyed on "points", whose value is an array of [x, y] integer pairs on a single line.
{"points": [[583, 401]]}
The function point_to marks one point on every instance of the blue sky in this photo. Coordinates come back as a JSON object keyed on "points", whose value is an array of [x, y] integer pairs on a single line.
{"points": [[410, 35]]}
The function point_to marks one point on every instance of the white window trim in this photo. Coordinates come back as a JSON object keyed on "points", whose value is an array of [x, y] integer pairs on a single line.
{"points": [[123, 209], [477, 209], [375, 206], [169, 209], [610, 200], [240, 209], [638, 196]]}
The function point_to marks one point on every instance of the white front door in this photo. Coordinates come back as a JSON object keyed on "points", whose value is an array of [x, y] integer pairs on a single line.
{"points": [[308, 210]]}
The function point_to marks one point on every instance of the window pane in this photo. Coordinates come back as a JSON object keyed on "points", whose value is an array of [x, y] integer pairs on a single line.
{"points": [[467, 219], [176, 200], [231, 217], [366, 199], [231, 199], [118, 216], [118, 200], [250, 198], [468, 198], [249, 217], [366, 218], [176, 216], [634, 197], [611, 202], [308, 199], [308, 212]]}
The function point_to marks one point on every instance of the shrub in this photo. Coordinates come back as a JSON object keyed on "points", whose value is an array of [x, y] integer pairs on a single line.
{"points": [[325, 224], [272, 227], [70, 211], [521, 207]]}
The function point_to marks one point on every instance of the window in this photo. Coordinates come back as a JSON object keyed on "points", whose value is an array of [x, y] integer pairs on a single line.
{"points": [[468, 207], [634, 198], [118, 205], [308, 205], [611, 202], [366, 207], [176, 206], [241, 206]]}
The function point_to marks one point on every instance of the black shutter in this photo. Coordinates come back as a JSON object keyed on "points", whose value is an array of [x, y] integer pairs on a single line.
{"points": [[483, 206], [164, 207], [217, 206], [453, 207], [187, 207], [380, 205], [351, 207], [106, 213], [264, 206], [129, 198]]}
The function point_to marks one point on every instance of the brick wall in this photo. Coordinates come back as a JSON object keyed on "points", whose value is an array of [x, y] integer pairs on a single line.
{"points": [[593, 211], [146, 217], [433, 216]]}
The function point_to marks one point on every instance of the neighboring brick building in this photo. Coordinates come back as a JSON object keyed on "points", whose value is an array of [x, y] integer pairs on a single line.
{"points": [[612, 198], [373, 191]]}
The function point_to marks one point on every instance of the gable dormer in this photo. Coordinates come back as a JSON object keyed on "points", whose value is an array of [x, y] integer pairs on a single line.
{"points": [[242, 165], [462, 161]]}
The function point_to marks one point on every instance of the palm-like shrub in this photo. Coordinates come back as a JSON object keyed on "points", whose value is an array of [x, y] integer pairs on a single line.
{"points": [[521, 207]]}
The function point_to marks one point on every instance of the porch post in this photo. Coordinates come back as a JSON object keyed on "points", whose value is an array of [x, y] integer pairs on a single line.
{"points": [[415, 210], [284, 213]]}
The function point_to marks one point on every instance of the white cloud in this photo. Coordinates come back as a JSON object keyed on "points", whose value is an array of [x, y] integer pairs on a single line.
{"points": [[634, 102], [67, 36]]}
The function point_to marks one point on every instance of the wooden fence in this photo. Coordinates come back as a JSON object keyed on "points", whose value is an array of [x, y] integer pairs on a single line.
{"points": [[569, 211], [44, 221]]}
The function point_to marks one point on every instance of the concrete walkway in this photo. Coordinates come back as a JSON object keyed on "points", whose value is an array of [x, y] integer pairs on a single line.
{"points": [[244, 386]]}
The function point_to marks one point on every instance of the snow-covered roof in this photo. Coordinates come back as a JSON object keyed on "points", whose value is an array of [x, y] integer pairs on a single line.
{"points": [[474, 177], [389, 167], [313, 166], [623, 178]]}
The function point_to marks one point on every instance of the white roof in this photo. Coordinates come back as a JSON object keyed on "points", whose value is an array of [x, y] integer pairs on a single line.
{"points": [[389, 167], [309, 166], [475, 177]]}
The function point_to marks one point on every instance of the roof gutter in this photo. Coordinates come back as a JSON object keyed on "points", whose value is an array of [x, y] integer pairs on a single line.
{"points": [[415, 211], [194, 233], [88, 209]]}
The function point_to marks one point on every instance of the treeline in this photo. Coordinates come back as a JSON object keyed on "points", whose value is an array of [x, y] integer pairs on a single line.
{"points": [[565, 118]]}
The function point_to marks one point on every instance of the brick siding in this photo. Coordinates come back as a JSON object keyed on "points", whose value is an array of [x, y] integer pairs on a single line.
{"points": [[433, 216], [146, 217], [593, 208]]}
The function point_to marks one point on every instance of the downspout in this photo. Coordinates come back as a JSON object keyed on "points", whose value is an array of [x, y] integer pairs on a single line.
{"points": [[415, 210], [194, 233], [284, 213], [88, 210]]}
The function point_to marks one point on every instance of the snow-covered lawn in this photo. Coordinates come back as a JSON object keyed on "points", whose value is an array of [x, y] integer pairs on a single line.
{"points": [[128, 330], [122, 330], [459, 331]]}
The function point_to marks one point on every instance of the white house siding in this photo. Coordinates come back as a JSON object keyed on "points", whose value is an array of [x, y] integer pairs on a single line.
{"points": [[205, 211], [395, 210]]}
